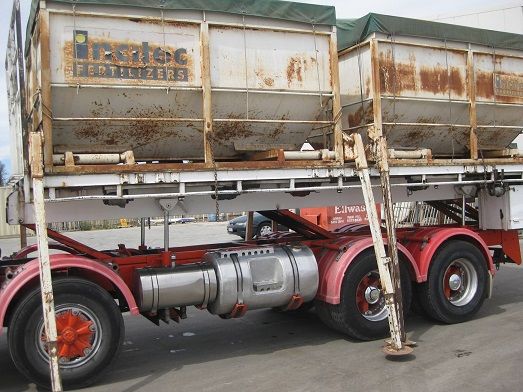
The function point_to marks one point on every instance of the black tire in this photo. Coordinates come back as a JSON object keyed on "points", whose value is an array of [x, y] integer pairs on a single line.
{"points": [[346, 317], [69, 294], [261, 227], [432, 295]]}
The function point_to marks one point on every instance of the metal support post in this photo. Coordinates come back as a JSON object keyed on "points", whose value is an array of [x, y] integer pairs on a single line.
{"points": [[383, 167], [166, 230], [167, 206], [389, 277], [142, 233], [23, 237], [46, 283], [249, 232], [463, 210]]}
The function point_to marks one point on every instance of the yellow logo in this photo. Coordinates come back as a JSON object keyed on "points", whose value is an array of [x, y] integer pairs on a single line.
{"points": [[80, 38]]}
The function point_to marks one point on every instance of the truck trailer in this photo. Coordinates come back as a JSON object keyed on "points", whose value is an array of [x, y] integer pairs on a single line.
{"points": [[136, 109]]}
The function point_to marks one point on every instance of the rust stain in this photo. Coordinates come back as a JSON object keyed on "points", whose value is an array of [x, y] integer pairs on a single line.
{"points": [[415, 138], [396, 77], [484, 84], [428, 120], [269, 82], [296, 66], [489, 139], [437, 81], [132, 135], [367, 87], [223, 132], [159, 22], [156, 167], [262, 79], [279, 129], [364, 115]]}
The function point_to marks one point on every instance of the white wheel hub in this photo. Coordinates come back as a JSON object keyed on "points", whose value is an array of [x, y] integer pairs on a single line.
{"points": [[455, 282], [372, 295]]}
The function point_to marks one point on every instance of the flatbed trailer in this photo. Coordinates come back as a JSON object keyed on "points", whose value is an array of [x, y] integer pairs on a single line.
{"points": [[63, 311]]}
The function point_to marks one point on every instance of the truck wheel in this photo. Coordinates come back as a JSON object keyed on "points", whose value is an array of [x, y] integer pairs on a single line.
{"points": [[362, 313], [90, 333], [456, 284]]}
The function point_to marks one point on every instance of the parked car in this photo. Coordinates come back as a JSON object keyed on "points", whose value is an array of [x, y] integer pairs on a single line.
{"points": [[182, 220], [261, 225]]}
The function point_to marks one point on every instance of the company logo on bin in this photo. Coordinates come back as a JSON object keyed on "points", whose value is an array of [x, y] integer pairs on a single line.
{"points": [[109, 59], [508, 85]]}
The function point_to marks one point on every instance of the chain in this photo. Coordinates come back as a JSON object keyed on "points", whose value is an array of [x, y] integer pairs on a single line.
{"points": [[485, 180], [215, 170]]}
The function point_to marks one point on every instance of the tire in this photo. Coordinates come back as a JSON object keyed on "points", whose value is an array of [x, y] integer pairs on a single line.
{"points": [[77, 301], [263, 229], [348, 316], [437, 295]]}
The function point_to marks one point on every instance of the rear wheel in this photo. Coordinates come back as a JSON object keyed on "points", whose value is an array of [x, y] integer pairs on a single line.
{"points": [[362, 313], [456, 284], [90, 332]]}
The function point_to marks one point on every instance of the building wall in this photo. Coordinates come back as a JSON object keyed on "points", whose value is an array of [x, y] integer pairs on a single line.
{"points": [[5, 229], [503, 18]]}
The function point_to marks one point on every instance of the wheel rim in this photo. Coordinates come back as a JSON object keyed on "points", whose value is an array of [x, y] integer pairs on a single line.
{"points": [[79, 335], [460, 282], [265, 230], [369, 297]]}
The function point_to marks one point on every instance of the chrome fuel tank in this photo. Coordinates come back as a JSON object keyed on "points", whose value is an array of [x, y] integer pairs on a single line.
{"points": [[262, 277]]}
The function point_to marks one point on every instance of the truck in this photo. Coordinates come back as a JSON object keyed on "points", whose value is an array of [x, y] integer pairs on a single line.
{"points": [[132, 109]]}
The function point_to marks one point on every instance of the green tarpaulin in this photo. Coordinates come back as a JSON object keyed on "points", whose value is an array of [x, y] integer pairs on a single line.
{"points": [[354, 31], [276, 9]]}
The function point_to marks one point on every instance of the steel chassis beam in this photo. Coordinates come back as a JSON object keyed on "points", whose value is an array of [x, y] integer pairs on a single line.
{"points": [[85, 197]]}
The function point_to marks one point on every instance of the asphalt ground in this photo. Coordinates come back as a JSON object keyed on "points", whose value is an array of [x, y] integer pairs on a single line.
{"points": [[268, 351]]}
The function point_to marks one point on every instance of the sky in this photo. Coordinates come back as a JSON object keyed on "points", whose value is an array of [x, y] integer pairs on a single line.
{"points": [[344, 9]]}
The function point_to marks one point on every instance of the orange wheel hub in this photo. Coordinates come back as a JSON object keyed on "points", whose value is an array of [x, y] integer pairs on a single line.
{"points": [[74, 335]]}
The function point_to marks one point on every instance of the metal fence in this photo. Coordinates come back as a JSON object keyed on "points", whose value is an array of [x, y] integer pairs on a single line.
{"points": [[122, 223], [409, 214]]}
